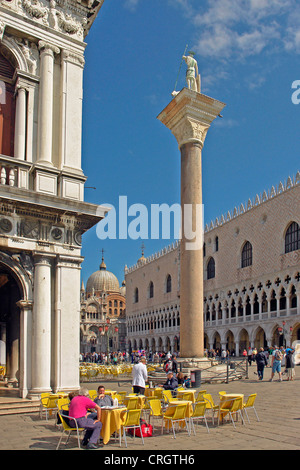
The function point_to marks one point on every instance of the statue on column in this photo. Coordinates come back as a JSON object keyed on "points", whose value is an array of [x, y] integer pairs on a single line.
{"points": [[192, 74]]}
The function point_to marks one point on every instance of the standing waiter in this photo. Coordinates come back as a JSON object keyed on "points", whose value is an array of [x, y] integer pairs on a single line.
{"points": [[140, 376]]}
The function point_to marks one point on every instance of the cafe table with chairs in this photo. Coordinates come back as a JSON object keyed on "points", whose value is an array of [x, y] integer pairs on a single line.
{"points": [[112, 419], [230, 403], [179, 411]]}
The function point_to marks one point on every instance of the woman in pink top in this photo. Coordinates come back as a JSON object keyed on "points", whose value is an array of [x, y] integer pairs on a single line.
{"points": [[79, 409]]}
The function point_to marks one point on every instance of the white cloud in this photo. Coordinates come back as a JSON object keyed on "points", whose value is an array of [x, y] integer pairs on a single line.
{"points": [[131, 4], [242, 28]]}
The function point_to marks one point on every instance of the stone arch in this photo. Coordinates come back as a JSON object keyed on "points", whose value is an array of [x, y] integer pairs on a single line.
{"points": [[244, 340]]}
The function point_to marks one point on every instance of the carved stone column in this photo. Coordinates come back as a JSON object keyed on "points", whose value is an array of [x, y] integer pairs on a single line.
{"points": [[41, 331], [25, 346], [45, 116], [189, 116]]}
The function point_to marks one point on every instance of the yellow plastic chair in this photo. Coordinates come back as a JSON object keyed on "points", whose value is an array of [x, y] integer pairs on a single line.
{"points": [[200, 395], [158, 393], [67, 429], [156, 409], [198, 413], [187, 396], [176, 414], [234, 408], [168, 397], [132, 421], [210, 405], [63, 404], [121, 396], [131, 403], [222, 393], [48, 404], [250, 405], [93, 394]]}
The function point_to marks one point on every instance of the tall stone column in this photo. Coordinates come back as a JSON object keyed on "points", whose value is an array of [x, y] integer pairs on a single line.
{"points": [[41, 331], [25, 346], [45, 118], [189, 116]]}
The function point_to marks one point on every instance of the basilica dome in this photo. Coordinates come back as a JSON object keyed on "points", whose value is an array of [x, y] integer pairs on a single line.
{"points": [[102, 280]]}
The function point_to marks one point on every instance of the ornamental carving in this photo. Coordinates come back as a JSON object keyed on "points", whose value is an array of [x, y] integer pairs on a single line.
{"points": [[35, 9], [190, 130]]}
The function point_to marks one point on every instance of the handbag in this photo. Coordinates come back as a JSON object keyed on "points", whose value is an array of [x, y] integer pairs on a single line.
{"points": [[147, 430]]}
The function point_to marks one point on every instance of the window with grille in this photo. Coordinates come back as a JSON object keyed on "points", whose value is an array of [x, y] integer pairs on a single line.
{"points": [[247, 255], [292, 238], [211, 269]]}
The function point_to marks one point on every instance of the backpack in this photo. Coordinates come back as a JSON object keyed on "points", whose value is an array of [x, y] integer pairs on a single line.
{"points": [[278, 356]]}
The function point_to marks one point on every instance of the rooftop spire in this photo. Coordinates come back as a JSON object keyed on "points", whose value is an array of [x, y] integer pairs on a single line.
{"points": [[102, 265]]}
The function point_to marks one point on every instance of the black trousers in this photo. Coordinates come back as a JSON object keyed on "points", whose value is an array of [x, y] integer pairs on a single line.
{"points": [[137, 389]]}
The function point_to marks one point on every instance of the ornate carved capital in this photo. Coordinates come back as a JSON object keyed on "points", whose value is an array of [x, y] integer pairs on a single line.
{"points": [[189, 130], [189, 116], [48, 48]]}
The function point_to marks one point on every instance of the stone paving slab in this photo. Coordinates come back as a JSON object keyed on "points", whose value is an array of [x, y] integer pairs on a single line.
{"points": [[277, 405]]}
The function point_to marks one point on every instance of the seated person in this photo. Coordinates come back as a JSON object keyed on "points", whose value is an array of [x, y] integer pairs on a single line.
{"points": [[187, 381], [79, 409], [171, 383], [180, 378], [102, 399]]}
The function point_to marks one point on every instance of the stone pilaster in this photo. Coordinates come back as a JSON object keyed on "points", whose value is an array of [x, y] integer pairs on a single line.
{"points": [[47, 52]]}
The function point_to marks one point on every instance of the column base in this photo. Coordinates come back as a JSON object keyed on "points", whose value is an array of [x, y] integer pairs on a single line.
{"points": [[194, 362], [35, 393]]}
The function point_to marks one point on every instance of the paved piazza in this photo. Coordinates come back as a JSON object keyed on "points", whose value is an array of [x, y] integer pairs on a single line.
{"points": [[277, 404]]}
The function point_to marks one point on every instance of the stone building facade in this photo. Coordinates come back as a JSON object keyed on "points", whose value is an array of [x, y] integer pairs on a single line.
{"points": [[42, 210], [103, 306], [251, 280]]}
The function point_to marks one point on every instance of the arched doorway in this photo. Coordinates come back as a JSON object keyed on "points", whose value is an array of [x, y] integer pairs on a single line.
{"points": [[16, 320], [10, 325]]}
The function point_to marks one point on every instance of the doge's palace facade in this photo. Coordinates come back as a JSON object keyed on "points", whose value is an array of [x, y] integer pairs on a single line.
{"points": [[251, 270], [42, 210]]}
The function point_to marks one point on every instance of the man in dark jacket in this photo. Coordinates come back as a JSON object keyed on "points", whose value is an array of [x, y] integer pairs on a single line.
{"points": [[261, 362], [171, 383]]}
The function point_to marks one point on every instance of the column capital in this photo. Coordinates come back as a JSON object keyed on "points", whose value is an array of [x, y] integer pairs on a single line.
{"points": [[46, 47], [189, 116]]}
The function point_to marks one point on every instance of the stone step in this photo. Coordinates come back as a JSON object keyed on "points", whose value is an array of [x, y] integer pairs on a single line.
{"points": [[18, 407]]}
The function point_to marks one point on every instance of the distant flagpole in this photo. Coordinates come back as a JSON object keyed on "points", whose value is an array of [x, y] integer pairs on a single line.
{"points": [[180, 68]]}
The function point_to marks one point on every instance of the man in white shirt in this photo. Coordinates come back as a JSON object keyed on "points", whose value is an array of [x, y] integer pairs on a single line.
{"points": [[140, 376]]}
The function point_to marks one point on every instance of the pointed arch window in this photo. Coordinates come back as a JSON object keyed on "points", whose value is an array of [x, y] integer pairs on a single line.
{"points": [[292, 238], [169, 283], [151, 290], [211, 269], [247, 255], [136, 296]]}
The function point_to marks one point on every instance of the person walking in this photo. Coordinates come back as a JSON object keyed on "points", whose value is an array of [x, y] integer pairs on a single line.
{"points": [[289, 364], [276, 363], [261, 362], [139, 376]]}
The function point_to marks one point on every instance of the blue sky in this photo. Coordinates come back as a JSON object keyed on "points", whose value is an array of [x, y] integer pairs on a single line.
{"points": [[248, 54]]}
